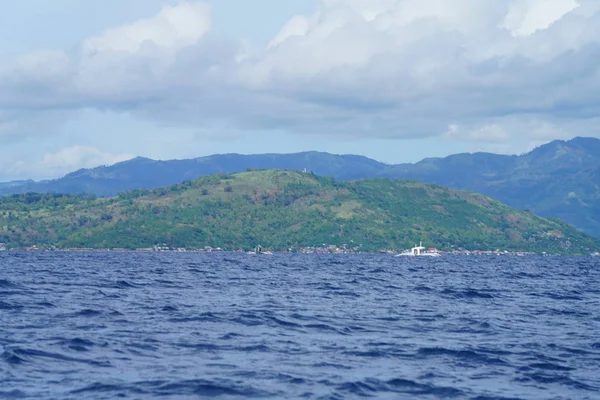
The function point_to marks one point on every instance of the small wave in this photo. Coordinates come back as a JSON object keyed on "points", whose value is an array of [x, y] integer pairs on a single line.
{"points": [[331, 365], [12, 358], [46, 304], [327, 286], [282, 322], [549, 366], [167, 283], [248, 319], [558, 379], [424, 389], [289, 379], [108, 388], [559, 311], [88, 312], [6, 284], [259, 348], [345, 293], [222, 365], [112, 295], [423, 288], [125, 285], [570, 350], [202, 346], [393, 287], [558, 296], [364, 389], [467, 294], [356, 328], [19, 355], [371, 387], [389, 319], [204, 317], [9, 306], [302, 317], [13, 394], [323, 327], [77, 344], [521, 275], [200, 387], [230, 336], [370, 353], [468, 355], [233, 261]]}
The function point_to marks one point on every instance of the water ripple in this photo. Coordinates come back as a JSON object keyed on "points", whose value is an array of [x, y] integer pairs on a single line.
{"points": [[228, 325]]}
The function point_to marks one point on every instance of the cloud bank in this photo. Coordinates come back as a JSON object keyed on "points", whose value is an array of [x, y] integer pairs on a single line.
{"points": [[63, 161], [491, 71]]}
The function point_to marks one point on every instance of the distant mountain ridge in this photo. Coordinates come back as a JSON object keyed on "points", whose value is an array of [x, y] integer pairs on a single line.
{"points": [[560, 179], [145, 173]]}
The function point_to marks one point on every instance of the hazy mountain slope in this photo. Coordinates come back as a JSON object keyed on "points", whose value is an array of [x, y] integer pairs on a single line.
{"points": [[283, 209], [560, 179], [147, 174]]}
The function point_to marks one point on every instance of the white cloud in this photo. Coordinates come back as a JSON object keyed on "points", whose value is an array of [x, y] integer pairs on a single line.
{"points": [[122, 67], [528, 16], [297, 26], [62, 162], [491, 133], [173, 28], [87, 156], [517, 134], [499, 71]]}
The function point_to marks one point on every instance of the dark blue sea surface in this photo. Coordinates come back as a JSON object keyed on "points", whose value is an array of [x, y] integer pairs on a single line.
{"points": [[229, 325]]}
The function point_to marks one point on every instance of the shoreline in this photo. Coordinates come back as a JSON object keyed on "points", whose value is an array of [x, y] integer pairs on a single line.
{"points": [[300, 251]]}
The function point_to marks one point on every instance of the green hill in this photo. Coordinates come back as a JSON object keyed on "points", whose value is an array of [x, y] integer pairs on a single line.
{"points": [[281, 209]]}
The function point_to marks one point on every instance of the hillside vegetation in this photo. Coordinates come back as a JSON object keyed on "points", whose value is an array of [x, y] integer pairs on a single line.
{"points": [[283, 209]]}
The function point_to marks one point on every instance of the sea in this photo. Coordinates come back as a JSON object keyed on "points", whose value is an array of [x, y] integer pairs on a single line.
{"points": [[108, 325]]}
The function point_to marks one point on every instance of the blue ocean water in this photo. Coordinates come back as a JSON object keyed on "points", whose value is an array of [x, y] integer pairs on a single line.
{"points": [[228, 325]]}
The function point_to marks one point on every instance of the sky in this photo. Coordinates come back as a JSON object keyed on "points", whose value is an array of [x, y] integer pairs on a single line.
{"points": [[87, 83]]}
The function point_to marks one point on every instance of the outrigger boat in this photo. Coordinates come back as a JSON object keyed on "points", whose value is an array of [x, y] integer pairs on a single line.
{"points": [[419, 251]]}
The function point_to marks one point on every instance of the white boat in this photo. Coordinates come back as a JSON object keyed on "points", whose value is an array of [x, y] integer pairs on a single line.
{"points": [[259, 250], [419, 251]]}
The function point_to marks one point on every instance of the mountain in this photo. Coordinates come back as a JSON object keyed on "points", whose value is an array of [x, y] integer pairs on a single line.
{"points": [[15, 185], [282, 209], [145, 173], [560, 179]]}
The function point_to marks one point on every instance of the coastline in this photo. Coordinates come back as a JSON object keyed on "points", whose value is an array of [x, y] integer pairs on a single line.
{"points": [[308, 250]]}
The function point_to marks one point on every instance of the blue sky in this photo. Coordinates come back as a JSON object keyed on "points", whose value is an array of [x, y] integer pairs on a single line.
{"points": [[90, 83]]}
